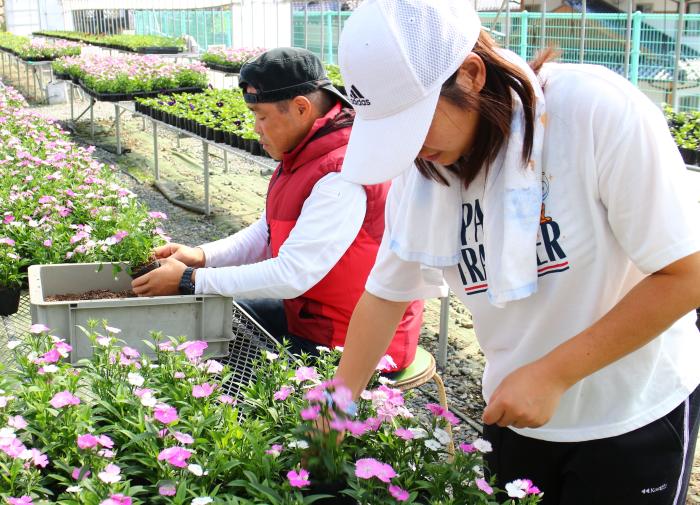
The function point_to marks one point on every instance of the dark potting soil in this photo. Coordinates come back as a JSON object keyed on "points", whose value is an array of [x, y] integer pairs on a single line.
{"points": [[93, 294]]}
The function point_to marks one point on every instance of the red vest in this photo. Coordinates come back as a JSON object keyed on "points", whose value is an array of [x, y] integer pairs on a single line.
{"points": [[322, 313]]}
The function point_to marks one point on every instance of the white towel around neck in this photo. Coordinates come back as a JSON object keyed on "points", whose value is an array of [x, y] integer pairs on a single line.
{"points": [[425, 225]]}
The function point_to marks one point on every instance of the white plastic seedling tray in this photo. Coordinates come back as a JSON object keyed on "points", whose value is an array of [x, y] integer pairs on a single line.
{"points": [[196, 317]]}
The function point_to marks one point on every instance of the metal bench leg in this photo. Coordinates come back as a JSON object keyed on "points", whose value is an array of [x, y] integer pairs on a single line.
{"points": [[442, 394]]}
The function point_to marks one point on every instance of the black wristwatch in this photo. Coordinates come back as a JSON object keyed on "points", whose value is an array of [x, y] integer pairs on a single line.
{"points": [[186, 286]]}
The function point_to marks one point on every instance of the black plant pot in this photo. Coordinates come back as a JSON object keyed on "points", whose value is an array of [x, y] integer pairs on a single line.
{"points": [[157, 114], [235, 140], [218, 136], [209, 133], [9, 301], [226, 138], [138, 272], [255, 148], [690, 156], [202, 131]]}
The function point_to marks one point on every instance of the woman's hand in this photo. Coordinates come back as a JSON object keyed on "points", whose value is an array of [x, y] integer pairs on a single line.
{"points": [[190, 256], [526, 398], [164, 280]]}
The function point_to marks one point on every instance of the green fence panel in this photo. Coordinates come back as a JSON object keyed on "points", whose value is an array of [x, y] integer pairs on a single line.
{"points": [[207, 26]]}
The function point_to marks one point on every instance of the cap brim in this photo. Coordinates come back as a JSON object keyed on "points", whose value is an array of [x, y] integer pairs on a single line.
{"points": [[380, 149], [332, 89]]}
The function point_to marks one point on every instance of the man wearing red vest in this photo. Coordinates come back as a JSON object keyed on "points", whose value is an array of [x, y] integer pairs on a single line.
{"points": [[301, 268]]}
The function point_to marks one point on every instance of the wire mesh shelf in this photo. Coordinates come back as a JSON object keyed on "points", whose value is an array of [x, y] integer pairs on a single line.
{"points": [[249, 340]]}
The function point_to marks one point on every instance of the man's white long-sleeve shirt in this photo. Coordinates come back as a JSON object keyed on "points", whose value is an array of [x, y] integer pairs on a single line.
{"points": [[241, 265]]}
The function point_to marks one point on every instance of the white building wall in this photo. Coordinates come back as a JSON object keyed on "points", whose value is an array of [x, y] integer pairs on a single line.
{"points": [[25, 16]]}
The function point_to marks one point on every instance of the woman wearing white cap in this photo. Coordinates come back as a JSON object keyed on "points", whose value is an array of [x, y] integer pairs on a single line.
{"points": [[553, 206]]}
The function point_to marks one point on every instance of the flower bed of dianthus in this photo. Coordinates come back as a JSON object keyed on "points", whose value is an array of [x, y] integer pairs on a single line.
{"points": [[126, 429], [37, 49], [228, 59], [131, 74], [57, 203]]}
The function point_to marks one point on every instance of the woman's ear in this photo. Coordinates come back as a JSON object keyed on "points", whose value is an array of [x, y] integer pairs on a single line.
{"points": [[472, 73]]}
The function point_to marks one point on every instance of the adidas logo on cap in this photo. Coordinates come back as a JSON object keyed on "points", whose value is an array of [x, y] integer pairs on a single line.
{"points": [[356, 97]]}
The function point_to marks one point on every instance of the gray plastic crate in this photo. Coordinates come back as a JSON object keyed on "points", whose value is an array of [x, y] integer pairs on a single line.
{"points": [[196, 317]]}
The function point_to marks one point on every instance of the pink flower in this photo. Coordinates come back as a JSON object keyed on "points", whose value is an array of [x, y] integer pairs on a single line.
{"points": [[17, 422], [48, 243], [176, 456], [298, 479], [183, 438], [213, 366], [167, 490], [386, 364], [7, 241], [130, 352], [105, 441], [283, 393], [305, 373], [356, 428], [439, 411], [203, 390], [36, 456], [24, 500], [179, 375], [398, 493], [64, 398], [38, 328], [275, 450], [87, 441], [51, 357], [317, 394], [226, 399], [165, 414], [157, 215], [193, 349], [310, 413], [77, 471], [404, 433], [342, 397], [117, 499], [367, 468], [141, 392], [110, 474], [484, 486], [166, 346]]}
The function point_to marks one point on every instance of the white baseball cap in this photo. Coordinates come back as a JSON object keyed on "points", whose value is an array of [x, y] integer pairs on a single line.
{"points": [[394, 57]]}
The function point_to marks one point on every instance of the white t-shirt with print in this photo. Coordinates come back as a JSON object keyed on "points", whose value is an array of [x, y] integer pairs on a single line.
{"points": [[615, 209]]}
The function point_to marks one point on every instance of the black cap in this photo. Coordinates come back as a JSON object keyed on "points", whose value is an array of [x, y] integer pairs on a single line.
{"points": [[283, 73]]}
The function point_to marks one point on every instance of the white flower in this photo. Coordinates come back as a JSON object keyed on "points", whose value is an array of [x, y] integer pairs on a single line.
{"points": [[32, 356], [386, 381], [195, 469], [517, 489], [433, 444], [322, 348], [339, 348], [73, 489], [48, 369], [482, 445], [442, 436], [298, 444], [135, 379], [112, 329], [202, 500], [419, 432], [271, 356], [12, 344], [110, 475], [148, 400]]}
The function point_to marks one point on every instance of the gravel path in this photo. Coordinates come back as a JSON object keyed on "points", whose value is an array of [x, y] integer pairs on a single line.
{"points": [[237, 200]]}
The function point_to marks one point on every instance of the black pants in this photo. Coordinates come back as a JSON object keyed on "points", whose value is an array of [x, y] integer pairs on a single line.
{"points": [[269, 313], [648, 466]]}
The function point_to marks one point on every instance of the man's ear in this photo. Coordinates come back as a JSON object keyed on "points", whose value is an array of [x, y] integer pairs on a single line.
{"points": [[300, 106], [472, 73]]}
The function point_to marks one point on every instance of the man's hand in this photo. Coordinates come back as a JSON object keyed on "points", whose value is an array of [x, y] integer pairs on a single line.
{"points": [[527, 398], [162, 281], [190, 256]]}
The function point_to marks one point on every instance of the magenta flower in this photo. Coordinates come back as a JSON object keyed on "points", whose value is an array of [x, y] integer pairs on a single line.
{"points": [[305, 373], [367, 468], [467, 448], [165, 414], [398, 493], [484, 486], [87, 441], [298, 479], [283, 393], [317, 394], [203, 390], [24, 500], [176, 456], [439, 411], [63, 399], [51, 356], [310, 413]]}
